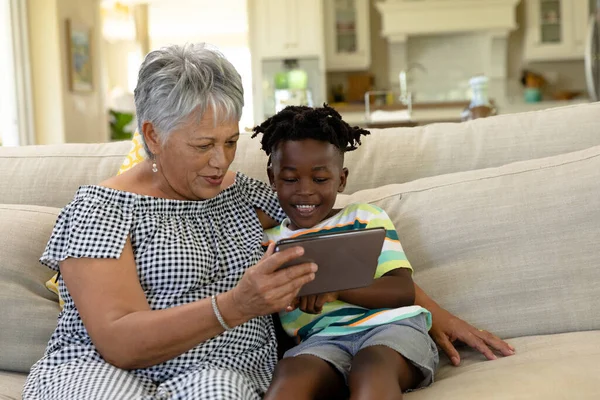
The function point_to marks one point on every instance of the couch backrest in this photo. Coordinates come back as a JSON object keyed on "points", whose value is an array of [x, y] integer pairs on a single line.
{"points": [[398, 155], [513, 249], [50, 175]]}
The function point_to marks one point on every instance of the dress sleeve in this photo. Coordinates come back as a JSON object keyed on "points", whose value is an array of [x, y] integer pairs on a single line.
{"points": [[392, 254], [88, 228], [261, 196]]}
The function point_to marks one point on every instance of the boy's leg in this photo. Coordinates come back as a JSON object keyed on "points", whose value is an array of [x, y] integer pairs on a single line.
{"points": [[306, 377], [381, 368], [378, 372]]}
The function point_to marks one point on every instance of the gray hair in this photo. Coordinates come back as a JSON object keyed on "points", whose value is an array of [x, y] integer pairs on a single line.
{"points": [[175, 81]]}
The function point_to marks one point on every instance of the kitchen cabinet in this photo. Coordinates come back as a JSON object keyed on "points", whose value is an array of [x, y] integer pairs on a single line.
{"points": [[287, 28], [555, 29], [347, 35]]}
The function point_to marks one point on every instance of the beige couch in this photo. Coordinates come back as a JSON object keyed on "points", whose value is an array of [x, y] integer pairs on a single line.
{"points": [[500, 218]]}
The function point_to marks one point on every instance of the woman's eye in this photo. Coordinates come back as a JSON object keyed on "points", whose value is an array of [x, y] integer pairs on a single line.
{"points": [[231, 143], [204, 147]]}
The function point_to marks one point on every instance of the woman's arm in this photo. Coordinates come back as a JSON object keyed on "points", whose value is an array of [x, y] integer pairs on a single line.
{"points": [[448, 328], [130, 335], [392, 290]]}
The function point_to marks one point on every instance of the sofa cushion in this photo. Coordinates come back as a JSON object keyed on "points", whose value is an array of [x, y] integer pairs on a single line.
{"points": [[29, 310], [513, 249], [11, 385], [563, 366], [50, 175]]}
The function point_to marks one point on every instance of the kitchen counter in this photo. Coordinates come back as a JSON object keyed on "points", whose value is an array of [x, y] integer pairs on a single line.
{"points": [[428, 113]]}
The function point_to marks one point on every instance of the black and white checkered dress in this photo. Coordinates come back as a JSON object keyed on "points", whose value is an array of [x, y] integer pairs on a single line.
{"points": [[184, 251]]}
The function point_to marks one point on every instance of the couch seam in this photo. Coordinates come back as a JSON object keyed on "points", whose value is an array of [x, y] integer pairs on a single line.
{"points": [[4, 208], [485, 178], [69, 156]]}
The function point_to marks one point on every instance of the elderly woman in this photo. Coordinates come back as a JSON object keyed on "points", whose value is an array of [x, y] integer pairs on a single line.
{"points": [[167, 291]]}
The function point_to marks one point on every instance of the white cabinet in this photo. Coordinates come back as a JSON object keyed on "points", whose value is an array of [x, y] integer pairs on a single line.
{"points": [[555, 29], [287, 28], [347, 35]]}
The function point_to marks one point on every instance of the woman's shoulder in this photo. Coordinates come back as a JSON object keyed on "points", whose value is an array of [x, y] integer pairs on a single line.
{"points": [[253, 188], [132, 181]]}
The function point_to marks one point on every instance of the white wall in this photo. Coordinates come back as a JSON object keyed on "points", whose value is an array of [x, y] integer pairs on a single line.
{"points": [[223, 23], [116, 57], [61, 115], [450, 60]]}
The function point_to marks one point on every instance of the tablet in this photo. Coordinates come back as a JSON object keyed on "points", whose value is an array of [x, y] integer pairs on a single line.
{"points": [[346, 260]]}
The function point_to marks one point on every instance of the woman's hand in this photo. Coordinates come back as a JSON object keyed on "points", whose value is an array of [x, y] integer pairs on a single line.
{"points": [[447, 328], [313, 304], [264, 289]]}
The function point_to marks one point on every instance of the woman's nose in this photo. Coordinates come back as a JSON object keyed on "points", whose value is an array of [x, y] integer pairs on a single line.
{"points": [[218, 159]]}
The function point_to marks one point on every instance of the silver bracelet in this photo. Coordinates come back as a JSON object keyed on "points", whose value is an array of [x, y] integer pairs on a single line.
{"points": [[213, 300]]}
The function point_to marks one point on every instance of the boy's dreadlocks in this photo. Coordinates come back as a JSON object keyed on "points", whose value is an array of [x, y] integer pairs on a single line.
{"points": [[302, 122]]}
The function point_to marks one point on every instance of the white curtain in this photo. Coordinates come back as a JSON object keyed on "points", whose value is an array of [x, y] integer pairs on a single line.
{"points": [[15, 76]]}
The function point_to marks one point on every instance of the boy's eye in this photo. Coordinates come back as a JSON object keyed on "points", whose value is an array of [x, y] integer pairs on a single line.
{"points": [[289, 180], [321, 180]]}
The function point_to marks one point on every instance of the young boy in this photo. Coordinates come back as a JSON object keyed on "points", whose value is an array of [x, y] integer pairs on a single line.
{"points": [[371, 341]]}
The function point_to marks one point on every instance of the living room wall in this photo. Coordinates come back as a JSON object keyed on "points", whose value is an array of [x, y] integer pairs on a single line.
{"points": [[63, 116]]}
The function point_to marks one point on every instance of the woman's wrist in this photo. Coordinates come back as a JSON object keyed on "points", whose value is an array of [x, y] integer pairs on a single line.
{"points": [[230, 312]]}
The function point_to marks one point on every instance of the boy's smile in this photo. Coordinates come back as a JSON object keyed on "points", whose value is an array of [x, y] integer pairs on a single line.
{"points": [[307, 175]]}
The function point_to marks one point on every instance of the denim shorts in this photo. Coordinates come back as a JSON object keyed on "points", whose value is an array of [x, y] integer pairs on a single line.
{"points": [[409, 337]]}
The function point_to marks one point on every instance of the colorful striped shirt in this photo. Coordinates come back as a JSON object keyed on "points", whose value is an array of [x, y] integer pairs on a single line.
{"points": [[339, 318]]}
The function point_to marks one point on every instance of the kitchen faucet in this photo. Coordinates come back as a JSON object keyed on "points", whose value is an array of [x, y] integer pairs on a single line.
{"points": [[405, 95]]}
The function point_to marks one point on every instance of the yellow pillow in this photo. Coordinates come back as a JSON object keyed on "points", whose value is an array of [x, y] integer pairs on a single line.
{"points": [[136, 154], [134, 157]]}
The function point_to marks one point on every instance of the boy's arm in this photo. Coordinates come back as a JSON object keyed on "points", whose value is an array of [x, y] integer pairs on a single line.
{"points": [[265, 221], [392, 290], [394, 287]]}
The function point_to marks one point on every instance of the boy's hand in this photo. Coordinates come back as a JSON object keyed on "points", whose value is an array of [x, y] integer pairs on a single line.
{"points": [[313, 304]]}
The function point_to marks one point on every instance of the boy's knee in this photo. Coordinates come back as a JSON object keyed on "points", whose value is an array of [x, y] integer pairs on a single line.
{"points": [[375, 358], [288, 369]]}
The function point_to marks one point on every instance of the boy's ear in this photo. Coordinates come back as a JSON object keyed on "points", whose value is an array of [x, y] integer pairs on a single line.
{"points": [[343, 180], [271, 176]]}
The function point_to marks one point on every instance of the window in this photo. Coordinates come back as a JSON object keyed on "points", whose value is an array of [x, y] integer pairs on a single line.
{"points": [[9, 129]]}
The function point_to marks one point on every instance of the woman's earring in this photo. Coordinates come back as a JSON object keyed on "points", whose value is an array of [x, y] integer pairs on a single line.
{"points": [[154, 167]]}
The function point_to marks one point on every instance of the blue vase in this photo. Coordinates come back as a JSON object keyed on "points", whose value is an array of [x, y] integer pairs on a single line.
{"points": [[532, 95]]}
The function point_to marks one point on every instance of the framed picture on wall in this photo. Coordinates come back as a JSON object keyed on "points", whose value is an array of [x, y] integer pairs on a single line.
{"points": [[81, 74]]}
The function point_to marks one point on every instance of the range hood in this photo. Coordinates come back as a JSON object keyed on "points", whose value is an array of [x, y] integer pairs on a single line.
{"points": [[403, 18]]}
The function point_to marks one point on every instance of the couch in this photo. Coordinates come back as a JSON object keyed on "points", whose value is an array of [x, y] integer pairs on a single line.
{"points": [[500, 218]]}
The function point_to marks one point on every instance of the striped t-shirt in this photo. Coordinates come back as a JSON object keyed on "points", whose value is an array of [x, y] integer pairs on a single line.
{"points": [[339, 318]]}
